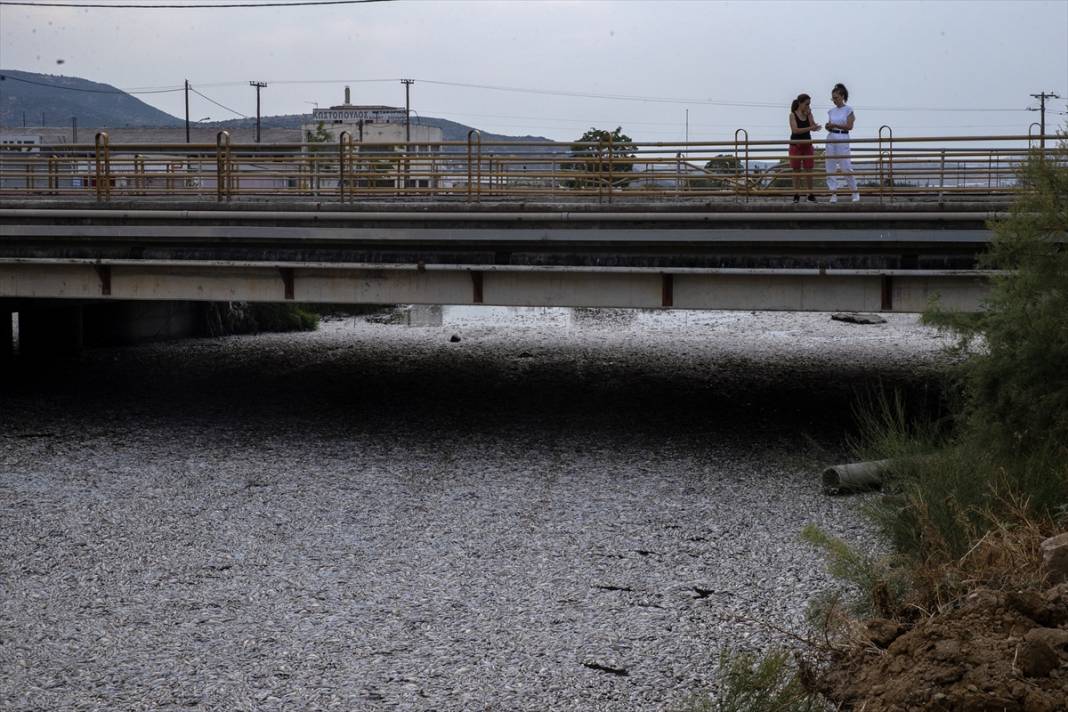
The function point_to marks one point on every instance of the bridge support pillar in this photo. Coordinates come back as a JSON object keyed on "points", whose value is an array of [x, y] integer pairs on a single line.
{"points": [[127, 323], [7, 334], [50, 331]]}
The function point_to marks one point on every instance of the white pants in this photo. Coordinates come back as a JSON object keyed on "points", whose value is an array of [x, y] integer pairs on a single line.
{"points": [[838, 160]]}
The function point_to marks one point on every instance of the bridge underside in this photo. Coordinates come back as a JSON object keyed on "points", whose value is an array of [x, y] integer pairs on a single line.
{"points": [[752, 289], [854, 259]]}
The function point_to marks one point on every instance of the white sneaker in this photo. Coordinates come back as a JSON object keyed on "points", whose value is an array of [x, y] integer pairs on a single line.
{"points": [[834, 199], [856, 197]]}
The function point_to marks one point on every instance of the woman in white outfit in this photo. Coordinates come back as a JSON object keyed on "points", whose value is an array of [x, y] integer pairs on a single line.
{"points": [[839, 124]]}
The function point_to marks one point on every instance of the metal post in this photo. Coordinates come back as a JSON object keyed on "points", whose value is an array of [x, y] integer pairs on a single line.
{"points": [[610, 179], [344, 142], [187, 111], [103, 167], [737, 160], [74, 129], [222, 166], [258, 85], [1042, 116], [471, 172], [942, 178], [890, 160], [407, 126]]}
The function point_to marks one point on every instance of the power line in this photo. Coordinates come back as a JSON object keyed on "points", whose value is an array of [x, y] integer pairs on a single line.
{"points": [[673, 100], [577, 120], [188, 6], [223, 106], [524, 90]]}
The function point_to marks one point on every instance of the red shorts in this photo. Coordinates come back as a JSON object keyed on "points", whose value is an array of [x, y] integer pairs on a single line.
{"points": [[802, 149]]}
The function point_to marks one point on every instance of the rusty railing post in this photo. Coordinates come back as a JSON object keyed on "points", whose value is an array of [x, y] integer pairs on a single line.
{"points": [[53, 175], [471, 172], [222, 166], [890, 160], [942, 178], [738, 163], [611, 179], [344, 142], [103, 167]]}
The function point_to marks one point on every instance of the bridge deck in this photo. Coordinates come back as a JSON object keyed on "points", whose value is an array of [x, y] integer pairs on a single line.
{"points": [[738, 255]]}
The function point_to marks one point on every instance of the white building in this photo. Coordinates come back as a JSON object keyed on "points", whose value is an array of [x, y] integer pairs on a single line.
{"points": [[377, 133], [372, 124]]}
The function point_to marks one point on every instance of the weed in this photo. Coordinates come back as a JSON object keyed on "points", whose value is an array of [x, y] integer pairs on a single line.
{"points": [[768, 683]]}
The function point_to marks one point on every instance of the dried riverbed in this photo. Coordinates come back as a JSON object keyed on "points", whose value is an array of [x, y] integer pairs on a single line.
{"points": [[565, 512]]}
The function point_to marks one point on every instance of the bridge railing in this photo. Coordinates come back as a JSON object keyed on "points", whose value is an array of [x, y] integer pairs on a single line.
{"points": [[886, 168]]}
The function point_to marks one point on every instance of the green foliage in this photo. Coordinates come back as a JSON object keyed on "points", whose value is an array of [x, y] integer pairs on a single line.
{"points": [[881, 587], [966, 505], [320, 135], [224, 318], [890, 428], [604, 156], [1018, 383], [749, 683]]}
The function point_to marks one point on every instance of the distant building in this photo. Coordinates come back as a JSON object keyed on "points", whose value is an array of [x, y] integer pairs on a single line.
{"points": [[374, 124], [30, 142], [15, 173], [377, 132]]}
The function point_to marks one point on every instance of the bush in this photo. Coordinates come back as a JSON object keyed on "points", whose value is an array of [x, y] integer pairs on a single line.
{"points": [[971, 510], [225, 318], [749, 683]]}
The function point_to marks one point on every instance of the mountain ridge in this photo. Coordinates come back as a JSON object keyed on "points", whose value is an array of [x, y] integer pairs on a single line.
{"points": [[25, 96]]}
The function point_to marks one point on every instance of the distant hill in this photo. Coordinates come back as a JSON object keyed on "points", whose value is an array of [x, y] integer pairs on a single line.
{"points": [[451, 130], [58, 98]]}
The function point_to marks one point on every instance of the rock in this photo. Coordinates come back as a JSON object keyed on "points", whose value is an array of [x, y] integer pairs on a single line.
{"points": [[854, 318], [1030, 604], [882, 632], [1036, 659], [1038, 701], [947, 650], [455, 338], [1053, 637], [1055, 558], [983, 598]]}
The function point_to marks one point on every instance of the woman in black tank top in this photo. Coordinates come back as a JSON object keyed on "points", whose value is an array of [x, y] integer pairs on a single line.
{"points": [[801, 154]]}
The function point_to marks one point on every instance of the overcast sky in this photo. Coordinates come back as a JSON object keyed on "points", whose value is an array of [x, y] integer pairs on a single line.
{"points": [[924, 68]]}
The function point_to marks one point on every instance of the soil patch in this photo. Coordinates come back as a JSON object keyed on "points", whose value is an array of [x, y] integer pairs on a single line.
{"points": [[998, 651]]}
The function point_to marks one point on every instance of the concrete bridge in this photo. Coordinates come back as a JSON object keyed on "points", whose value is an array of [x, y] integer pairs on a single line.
{"points": [[69, 255]]}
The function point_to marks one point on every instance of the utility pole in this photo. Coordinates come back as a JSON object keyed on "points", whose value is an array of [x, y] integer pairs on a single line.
{"points": [[74, 129], [187, 111], [407, 109], [258, 85], [407, 125], [1042, 96]]}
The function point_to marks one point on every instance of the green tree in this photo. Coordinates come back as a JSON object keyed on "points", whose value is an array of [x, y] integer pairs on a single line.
{"points": [[605, 156], [319, 135], [720, 171], [1004, 468], [319, 153], [1017, 382]]}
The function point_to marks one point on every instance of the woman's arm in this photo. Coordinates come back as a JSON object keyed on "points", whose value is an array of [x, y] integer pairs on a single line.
{"points": [[849, 121], [793, 123]]}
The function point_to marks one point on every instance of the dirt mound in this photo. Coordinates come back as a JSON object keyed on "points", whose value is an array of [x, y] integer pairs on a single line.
{"points": [[996, 652]]}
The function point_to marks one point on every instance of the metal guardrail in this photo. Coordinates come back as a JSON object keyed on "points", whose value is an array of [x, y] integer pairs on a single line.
{"points": [[886, 168]]}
